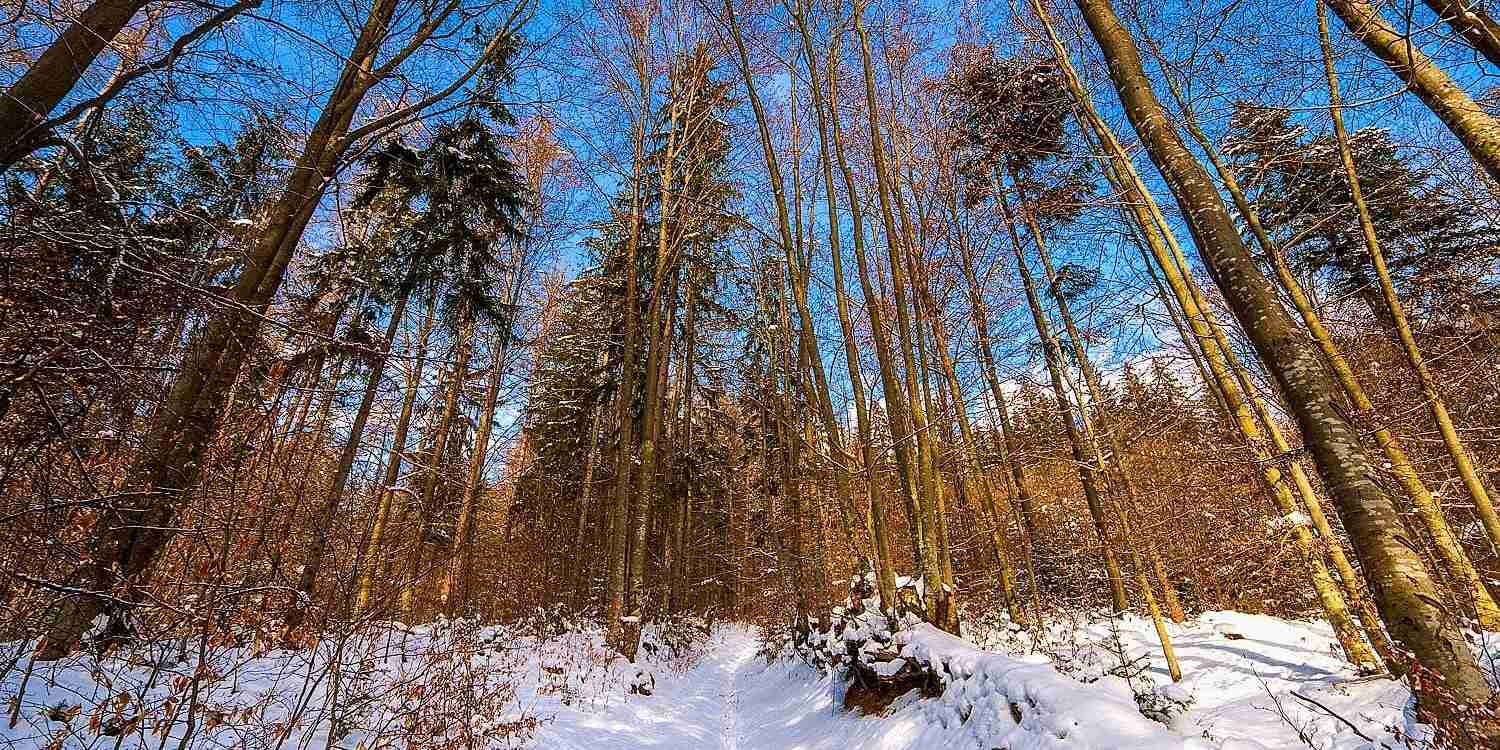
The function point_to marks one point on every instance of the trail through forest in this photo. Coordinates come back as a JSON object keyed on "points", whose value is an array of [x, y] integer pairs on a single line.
{"points": [[700, 708], [604, 374]]}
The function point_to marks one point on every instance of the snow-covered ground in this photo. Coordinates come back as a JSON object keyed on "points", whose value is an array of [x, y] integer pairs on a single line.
{"points": [[442, 684], [1246, 679]]}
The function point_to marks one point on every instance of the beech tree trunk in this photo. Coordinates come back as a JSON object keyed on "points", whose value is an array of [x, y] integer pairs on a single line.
{"points": [[938, 600], [1088, 473], [127, 542], [1405, 592], [454, 577], [1471, 123], [49, 79], [371, 558], [1472, 23], [885, 577]]}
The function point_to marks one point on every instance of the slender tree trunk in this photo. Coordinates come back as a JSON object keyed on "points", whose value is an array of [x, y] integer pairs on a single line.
{"points": [[1088, 473], [874, 305], [1489, 614], [808, 344], [622, 497], [463, 537], [1096, 393], [584, 507], [885, 578], [386, 496], [938, 599], [972, 476], [436, 459], [1169, 259], [312, 567], [1010, 459], [33, 96], [1404, 590]]}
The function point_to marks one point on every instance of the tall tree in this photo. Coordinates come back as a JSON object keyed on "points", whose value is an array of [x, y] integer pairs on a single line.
{"points": [[127, 541], [1404, 590]]}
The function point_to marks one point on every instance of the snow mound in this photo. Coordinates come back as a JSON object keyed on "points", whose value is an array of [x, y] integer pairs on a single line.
{"points": [[1024, 706]]}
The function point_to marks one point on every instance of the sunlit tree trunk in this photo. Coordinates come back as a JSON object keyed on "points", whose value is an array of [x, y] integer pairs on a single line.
{"points": [[33, 96], [1404, 590], [938, 600], [1472, 23], [885, 578], [875, 302], [1205, 334], [1471, 123], [622, 497], [1489, 614], [859, 539], [1095, 393], [463, 538], [442, 432], [1088, 472], [384, 493]]}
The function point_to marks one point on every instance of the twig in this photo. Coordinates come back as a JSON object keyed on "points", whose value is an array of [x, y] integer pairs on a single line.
{"points": [[1335, 715]]}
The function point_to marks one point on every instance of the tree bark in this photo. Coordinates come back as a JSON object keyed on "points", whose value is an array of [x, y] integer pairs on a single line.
{"points": [[1404, 590], [1489, 614], [312, 567], [938, 601], [385, 496], [39, 90], [463, 538], [1471, 23], [1470, 122], [885, 577], [1088, 473], [128, 541], [1208, 337]]}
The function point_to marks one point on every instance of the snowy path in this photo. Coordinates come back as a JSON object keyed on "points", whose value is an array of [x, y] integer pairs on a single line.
{"points": [[1239, 668], [698, 709], [732, 700]]}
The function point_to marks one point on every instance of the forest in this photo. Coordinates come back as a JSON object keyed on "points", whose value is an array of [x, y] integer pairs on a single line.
{"points": [[815, 374]]}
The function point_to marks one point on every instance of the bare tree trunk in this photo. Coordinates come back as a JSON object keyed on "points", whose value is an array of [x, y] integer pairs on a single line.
{"points": [[48, 80], [807, 344], [436, 458], [1471, 22], [584, 505], [1164, 249], [1470, 122], [622, 498], [1404, 590], [1096, 394], [885, 578], [1088, 473], [1450, 551], [463, 537], [385, 493], [938, 600], [312, 567], [124, 548], [874, 305]]}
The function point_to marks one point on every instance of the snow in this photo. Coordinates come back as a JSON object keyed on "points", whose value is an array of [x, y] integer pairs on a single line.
{"points": [[505, 687], [1242, 675]]}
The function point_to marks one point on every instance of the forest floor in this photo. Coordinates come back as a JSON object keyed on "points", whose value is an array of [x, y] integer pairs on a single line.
{"points": [[1251, 683]]}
